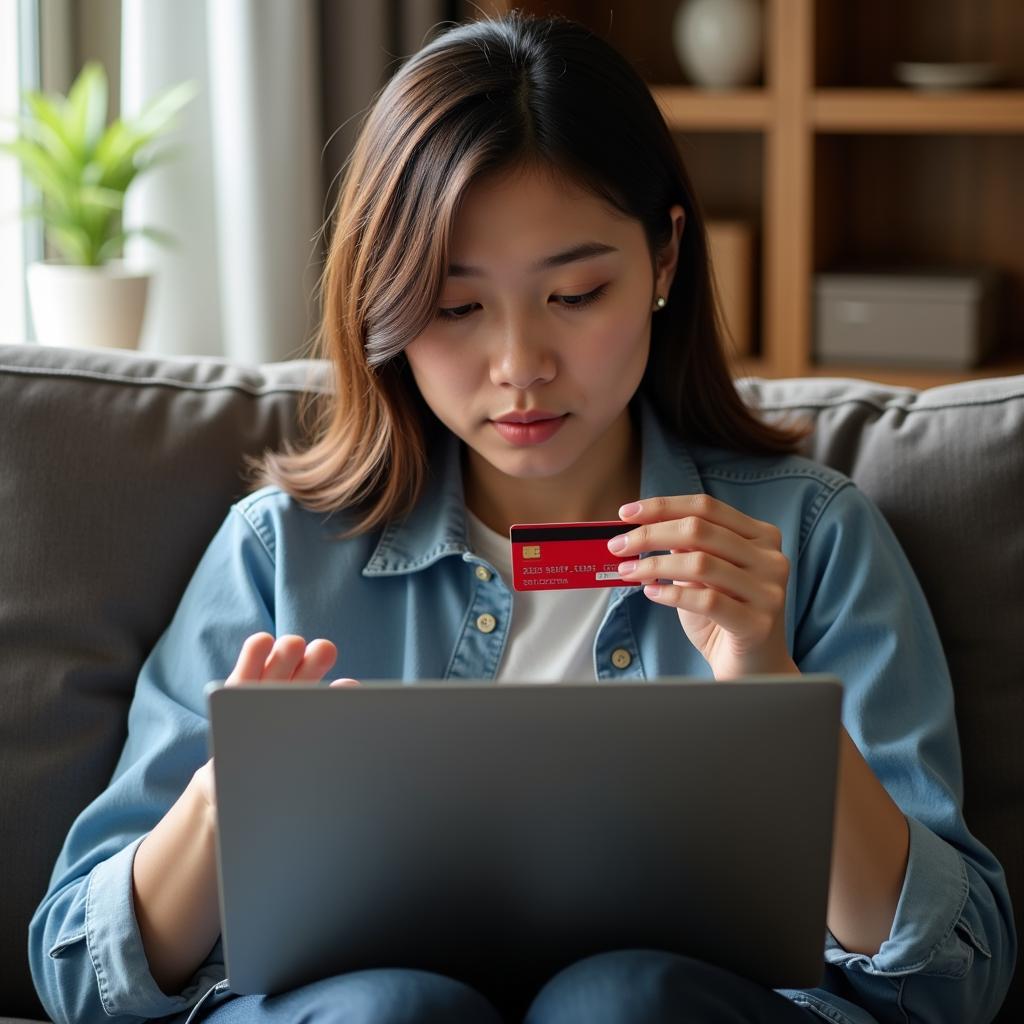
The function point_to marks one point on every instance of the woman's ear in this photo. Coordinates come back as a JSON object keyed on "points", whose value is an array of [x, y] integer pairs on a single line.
{"points": [[668, 257]]}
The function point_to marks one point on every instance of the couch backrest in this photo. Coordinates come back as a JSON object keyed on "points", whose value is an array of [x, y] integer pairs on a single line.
{"points": [[116, 468], [946, 467], [115, 471]]}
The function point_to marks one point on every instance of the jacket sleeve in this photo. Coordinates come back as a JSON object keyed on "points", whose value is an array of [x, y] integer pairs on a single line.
{"points": [[85, 952], [862, 615]]}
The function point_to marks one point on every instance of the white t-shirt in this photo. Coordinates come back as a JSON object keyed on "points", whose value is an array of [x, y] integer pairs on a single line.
{"points": [[552, 633]]}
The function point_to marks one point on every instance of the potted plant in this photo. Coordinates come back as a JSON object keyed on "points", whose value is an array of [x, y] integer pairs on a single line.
{"points": [[83, 170]]}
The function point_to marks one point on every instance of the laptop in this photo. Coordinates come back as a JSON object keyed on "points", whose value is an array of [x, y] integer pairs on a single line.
{"points": [[468, 828]]}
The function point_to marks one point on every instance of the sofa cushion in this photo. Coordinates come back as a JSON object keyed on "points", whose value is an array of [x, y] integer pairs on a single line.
{"points": [[117, 467], [115, 471], [946, 467]]}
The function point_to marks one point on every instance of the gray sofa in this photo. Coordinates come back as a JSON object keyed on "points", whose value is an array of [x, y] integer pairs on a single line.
{"points": [[117, 467]]}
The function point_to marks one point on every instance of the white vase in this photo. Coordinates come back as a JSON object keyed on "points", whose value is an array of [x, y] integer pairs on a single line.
{"points": [[719, 42], [87, 307]]}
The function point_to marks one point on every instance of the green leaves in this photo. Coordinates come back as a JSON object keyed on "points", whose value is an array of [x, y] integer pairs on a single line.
{"points": [[84, 170]]}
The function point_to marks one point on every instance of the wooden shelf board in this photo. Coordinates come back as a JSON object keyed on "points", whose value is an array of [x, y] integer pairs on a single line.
{"points": [[909, 377], [918, 377], [902, 110], [847, 110], [686, 108]]}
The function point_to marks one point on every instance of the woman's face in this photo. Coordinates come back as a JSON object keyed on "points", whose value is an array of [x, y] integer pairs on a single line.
{"points": [[520, 331]]}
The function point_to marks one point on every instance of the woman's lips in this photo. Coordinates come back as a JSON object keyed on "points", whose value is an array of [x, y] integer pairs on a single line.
{"points": [[524, 434]]}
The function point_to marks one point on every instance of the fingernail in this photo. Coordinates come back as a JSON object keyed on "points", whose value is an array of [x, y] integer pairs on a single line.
{"points": [[632, 509], [625, 567], [616, 544]]}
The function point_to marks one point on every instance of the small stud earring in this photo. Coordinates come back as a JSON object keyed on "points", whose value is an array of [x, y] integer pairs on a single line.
{"points": [[660, 304]]}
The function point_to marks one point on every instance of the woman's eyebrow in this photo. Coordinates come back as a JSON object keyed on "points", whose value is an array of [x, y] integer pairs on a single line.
{"points": [[583, 251]]}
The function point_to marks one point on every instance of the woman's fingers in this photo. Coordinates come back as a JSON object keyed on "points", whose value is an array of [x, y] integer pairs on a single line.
{"points": [[320, 656], [287, 659], [250, 662], [284, 658]]}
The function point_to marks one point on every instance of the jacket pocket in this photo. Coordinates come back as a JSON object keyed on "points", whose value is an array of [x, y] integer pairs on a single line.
{"points": [[58, 948]]}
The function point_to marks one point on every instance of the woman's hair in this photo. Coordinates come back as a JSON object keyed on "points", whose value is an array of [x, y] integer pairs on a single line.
{"points": [[490, 96]]}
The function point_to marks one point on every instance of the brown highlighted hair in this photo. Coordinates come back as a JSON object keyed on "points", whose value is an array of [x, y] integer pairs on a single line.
{"points": [[488, 96]]}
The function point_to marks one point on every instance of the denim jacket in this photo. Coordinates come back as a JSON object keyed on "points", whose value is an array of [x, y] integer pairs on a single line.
{"points": [[404, 601]]}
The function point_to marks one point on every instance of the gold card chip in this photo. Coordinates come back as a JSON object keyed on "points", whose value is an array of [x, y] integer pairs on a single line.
{"points": [[531, 551]]}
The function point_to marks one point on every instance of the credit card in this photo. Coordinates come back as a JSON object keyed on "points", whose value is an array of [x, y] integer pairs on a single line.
{"points": [[566, 556]]}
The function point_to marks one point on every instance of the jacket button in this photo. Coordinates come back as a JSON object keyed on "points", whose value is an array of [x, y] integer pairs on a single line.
{"points": [[483, 573], [621, 658], [486, 623]]}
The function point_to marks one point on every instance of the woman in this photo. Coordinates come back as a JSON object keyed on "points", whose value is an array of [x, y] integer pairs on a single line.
{"points": [[517, 242]]}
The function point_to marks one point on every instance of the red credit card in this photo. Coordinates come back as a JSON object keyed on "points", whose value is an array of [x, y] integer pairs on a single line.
{"points": [[566, 556]]}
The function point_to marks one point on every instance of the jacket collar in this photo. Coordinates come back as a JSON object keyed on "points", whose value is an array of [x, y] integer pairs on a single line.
{"points": [[436, 527]]}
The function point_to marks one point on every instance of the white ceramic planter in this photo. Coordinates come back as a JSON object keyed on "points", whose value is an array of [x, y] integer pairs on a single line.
{"points": [[719, 42], [87, 307]]}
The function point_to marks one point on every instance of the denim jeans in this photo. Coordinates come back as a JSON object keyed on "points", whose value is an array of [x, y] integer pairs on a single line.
{"points": [[630, 986]]}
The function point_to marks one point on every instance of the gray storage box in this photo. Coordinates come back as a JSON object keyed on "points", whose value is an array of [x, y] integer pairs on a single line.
{"points": [[930, 318]]}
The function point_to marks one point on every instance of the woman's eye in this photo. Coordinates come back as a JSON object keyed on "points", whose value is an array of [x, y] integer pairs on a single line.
{"points": [[577, 301], [569, 301], [454, 312]]}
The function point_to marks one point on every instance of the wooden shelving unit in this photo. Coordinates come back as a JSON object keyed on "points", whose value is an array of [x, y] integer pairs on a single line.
{"points": [[852, 169]]}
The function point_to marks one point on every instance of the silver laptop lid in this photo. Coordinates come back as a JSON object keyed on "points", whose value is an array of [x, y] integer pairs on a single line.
{"points": [[453, 825]]}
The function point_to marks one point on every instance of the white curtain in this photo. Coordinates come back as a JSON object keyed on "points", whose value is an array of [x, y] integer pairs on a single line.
{"points": [[245, 198]]}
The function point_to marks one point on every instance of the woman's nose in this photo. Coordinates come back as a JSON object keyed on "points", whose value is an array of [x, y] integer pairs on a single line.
{"points": [[522, 359]]}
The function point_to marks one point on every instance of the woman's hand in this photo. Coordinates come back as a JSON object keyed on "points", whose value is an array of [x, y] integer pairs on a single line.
{"points": [[728, 576], [289, 659]]}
